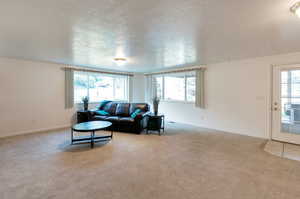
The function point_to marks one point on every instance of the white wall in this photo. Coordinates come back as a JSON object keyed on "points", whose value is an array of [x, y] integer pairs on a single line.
{"points": [[32, 97], [237, 95]]}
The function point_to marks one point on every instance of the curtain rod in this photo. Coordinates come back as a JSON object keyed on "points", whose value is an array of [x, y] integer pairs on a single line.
{"points": [[97, 71], [177, 70]]}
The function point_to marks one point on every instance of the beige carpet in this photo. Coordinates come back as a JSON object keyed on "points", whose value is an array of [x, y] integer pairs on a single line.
{"points": [[187, 162]]}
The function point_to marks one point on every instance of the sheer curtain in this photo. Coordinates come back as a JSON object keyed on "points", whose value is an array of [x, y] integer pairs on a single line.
{"points": [[149, 91], [69, 88], [199, 102], [130, 89]]}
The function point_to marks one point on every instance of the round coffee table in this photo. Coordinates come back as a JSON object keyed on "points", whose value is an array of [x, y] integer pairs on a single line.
{"points": [[91, 127]]}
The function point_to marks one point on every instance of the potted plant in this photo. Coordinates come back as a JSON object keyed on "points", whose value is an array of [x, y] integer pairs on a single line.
{"points": [[155, 101], [85, 101]]}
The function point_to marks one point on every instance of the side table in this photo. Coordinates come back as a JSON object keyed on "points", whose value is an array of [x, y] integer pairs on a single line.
{"points": [[156, 123], [83, 116]]}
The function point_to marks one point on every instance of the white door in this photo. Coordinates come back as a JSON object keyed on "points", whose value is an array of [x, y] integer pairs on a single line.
{"points": [[286, 104]]}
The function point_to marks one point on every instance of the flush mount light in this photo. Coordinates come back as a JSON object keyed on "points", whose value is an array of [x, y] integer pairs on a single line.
{"points": [[120, 60], [296, 8]]}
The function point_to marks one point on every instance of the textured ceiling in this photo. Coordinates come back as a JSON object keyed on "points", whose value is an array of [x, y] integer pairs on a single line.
{"points": [[152, 34]]}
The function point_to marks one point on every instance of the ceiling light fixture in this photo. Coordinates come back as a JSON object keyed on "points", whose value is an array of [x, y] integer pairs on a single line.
{"points": [[296, 8], [120, 60]]}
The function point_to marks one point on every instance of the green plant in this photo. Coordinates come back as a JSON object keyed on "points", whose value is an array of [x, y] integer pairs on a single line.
{"points": [[155, 102], [85, 99]]}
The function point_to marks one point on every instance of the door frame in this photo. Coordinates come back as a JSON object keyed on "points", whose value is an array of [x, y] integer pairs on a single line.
{"points": [[271, 100]]}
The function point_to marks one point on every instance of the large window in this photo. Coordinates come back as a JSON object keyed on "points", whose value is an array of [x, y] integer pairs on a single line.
{"points": [[99, 87], [176, 87]]}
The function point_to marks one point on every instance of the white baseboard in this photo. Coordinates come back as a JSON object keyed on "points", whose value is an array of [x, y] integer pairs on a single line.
{"points": [[35, 130]]}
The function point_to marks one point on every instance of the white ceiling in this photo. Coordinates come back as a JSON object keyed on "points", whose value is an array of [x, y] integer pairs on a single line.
{"points": [[152, 34]]}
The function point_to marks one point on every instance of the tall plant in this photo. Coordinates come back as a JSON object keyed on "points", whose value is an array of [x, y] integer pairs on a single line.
{"points": [[155, 102], [85, 101]]}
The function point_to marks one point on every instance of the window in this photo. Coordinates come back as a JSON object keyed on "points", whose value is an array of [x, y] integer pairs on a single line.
{"points": [[191, 88], [159, 86], [176, 87], [80, 86], [99, 87]]}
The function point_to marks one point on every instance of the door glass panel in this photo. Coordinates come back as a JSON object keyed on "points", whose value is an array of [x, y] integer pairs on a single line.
{"points": [[295, 76], [284, 90], [295, 89], [290, 101], [284, 77]]}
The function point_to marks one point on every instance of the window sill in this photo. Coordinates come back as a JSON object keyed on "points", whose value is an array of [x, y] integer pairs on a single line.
{"points": [[120, 101], [177, 101], [80, 103]]}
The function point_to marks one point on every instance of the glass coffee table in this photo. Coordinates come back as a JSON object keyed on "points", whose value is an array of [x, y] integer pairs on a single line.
{"points": [[91, 127]]}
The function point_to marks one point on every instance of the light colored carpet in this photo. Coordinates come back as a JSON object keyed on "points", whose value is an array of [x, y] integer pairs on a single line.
{"points": [[186, 163]]}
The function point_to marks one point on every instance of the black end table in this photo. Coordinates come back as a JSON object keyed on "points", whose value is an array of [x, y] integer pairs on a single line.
{"points": [[91, 127], [156, 123], [83, 116]]}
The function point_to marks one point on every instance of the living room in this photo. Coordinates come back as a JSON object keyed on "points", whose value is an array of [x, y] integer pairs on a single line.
{"points": [[224, 75]]}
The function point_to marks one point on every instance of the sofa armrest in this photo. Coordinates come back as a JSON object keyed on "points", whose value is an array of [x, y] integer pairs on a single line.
{"points": [[142, 115], [146, 114], [144, 119]]}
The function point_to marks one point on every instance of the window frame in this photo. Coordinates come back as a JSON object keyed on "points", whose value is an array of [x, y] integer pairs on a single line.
{"points": [[186, 101], [88, 74]]}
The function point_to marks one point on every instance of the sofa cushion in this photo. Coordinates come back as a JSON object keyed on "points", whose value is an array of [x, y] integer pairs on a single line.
{"points": [[110, 108], [101, 112], [122, 109], [143, 106], [100, 117], [112, 118], [126, 119]]}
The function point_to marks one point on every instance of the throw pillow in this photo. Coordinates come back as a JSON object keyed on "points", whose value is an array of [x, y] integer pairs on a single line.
{"points": [[103, 113], [102, 104], [135, 113]]}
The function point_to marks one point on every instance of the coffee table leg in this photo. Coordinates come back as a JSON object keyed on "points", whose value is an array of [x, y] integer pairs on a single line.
{"points": [[92, 139], [112, 134]]}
